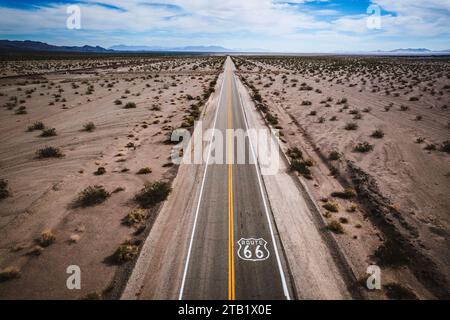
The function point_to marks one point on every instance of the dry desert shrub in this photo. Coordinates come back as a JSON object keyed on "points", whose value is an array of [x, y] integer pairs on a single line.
{"points": [[130, 105], [50, 132], [334, 155], [100, 171], [38, 125], [46, 239], [135, 217], [363, 147], [92, 196], [348, 193], [395, 291], [49, 152], [336, 227], [89, 127], [145, 170], [9, 273], [4, 191], [351, 126], [153, 193], [125, 252], [445, 147], [331, 206], [378, 134]]}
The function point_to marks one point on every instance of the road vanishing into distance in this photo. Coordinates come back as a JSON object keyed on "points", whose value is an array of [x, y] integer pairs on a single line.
{"points": [[234, 250]]}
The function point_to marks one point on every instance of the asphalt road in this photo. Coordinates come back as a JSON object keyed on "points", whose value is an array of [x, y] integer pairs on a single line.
{"points": [[234, 251]]}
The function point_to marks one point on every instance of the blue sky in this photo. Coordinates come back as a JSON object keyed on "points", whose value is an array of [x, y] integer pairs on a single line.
{"points": [[276, 25]]}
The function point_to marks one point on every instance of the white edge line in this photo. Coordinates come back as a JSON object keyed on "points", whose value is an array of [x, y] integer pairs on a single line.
{"points": [[186, 265], [282, 276]]}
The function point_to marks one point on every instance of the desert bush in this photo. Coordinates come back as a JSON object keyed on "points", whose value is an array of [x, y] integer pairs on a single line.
{"points": [[306, 103], [50, 132], [271, 119], [391, 254], [342, 101], [125, 252], [21, 110], [257, 97], [134, 217], [420, 140], [363, 147], [49, 152], [343, 220], [313, 113], [89, 127], [430, 147], [334, 171], [92, 196], [351, 126], [38, 125], [47, 238], [92, 296], [395, 291], [4, 192], [301, 167], [445, 146], [9, 273], [404, 108], [262, 107], [334, 155], [295, 153], [336, 227], [348, 193], [100, 171], [418, 118], [153, 193], [117, 102], [145, 170], [188, 122], [331, 206], [378, 134], [130, 105], [414, 99]]}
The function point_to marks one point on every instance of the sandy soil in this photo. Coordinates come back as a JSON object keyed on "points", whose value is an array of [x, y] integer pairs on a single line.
{"points": [[43, 191], [402, 188]]}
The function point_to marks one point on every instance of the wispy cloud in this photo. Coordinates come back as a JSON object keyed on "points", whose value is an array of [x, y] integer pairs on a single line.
{"points": [[295, 25]]}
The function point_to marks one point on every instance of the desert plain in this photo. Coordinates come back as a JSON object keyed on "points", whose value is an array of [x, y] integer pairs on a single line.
{"points": [[85, 139]]}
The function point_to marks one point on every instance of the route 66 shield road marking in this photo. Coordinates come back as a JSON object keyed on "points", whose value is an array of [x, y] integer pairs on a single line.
{"points": [[252, 249]]}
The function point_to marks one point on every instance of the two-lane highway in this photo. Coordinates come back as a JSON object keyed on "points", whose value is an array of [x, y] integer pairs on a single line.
{"points": [[234, 249]]}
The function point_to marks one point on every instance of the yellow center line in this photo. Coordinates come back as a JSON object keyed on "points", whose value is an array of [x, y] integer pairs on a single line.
{"points": [[231, 282]]}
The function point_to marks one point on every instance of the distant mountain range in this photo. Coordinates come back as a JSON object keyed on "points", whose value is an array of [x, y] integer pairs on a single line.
{"points": [[27, 45], [7, 45], [413, 51], [37, 46], [175, 49]]}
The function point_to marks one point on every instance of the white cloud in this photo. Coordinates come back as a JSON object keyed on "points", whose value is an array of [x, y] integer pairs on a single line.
{"points": [[265, 23]]}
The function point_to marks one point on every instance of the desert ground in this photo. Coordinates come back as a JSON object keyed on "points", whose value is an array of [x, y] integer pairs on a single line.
{"points": [[81, 136], [85, 169], [370, 136]]}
